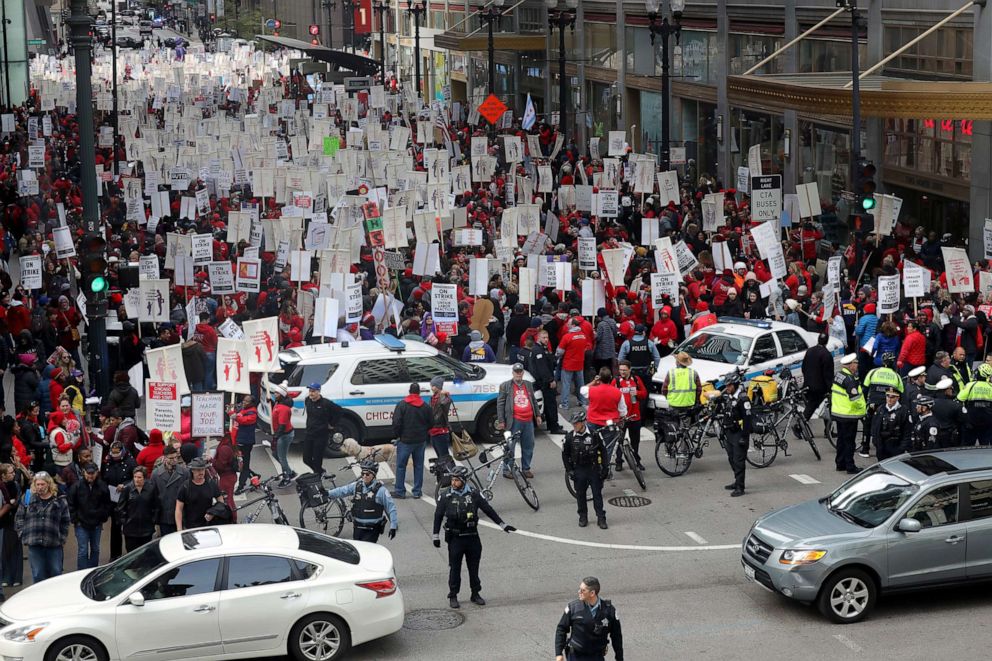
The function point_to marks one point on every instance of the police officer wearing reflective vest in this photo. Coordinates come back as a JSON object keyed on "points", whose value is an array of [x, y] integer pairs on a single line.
{"points": [[584, 457], [891, 428], [877, 383], [458, 508], [588, 625], [371, 504], [736, 410], [682, 385], [948, 413], [926, 433], [976, 396], [847, 408]]}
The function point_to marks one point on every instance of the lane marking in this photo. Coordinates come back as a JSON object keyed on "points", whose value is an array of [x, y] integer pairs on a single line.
{"points": [[847, 642], [695, 537], [802, 478]]}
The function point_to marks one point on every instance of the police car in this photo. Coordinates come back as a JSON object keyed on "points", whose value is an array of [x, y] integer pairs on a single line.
{"points": [[369, 377], [734, 343]]}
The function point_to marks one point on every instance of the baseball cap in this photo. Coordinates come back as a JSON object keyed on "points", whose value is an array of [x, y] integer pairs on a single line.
{"points": [[91, 468], [518, 367], [314, 386]]}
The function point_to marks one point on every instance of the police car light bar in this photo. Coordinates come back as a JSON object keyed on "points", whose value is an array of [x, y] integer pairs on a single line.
{"points": [[757, 323], [391, 343]]}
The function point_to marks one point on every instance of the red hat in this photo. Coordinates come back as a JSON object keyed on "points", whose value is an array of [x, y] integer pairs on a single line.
{"points": [[155, 436], [870, 308], [702, 306], [441, 336]]}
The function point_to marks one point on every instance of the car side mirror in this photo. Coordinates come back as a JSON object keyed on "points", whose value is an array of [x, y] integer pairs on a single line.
{"points": [[136, 599], [909, 525]]}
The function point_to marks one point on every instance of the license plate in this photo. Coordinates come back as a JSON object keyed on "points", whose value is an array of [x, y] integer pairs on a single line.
{"points": [[749, 572]]}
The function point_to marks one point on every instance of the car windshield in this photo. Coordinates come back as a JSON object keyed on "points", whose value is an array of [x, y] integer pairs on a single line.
{"points": [[461, 370], [871, 498], [729, 349], [110, 580]]}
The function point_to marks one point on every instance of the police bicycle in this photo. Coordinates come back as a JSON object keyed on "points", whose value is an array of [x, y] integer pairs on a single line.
{"points": [[608, 437], [318, 511], [491, 460], [268, 498], [771, 424]]}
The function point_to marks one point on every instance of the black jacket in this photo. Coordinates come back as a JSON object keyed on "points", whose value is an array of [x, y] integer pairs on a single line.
{"points": [[26, 380], [541, 365], [138, 511], [587, 636], [818, 369], [935, 373], [969, 332], [892, 431], [124, 398], [118, 471], [321, 416], [515, 327], [411, 422], [89, 503]]}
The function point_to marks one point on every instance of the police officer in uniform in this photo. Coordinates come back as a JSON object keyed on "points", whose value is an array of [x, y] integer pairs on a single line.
{"points": [[541, 365], [736, 410], [458, 508], [371, 504], [585, 458], [891, 427], [949, 414], [877, 383], [847, 408], [926, 432], [976, 396], [641, 352], [587, 627], [914, 385]]}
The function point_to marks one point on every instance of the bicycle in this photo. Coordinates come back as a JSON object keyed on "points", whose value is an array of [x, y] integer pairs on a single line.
{"points": [[496, 464], [268, 498], [621, 441], [318, 511]]}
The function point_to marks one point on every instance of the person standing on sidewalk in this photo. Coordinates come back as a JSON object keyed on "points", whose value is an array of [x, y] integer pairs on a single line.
{"points": [[43, 524], [516, 410], [440, 431], [411, 423], [283, 432], [138, 510], [89, 507]]}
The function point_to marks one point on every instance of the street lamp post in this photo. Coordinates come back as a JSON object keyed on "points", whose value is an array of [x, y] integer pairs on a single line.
{"points": [[491, 16], [380, 7], [418, 8], [329, 6], [665, 30], [562, 19], [113, 67], [349, 10]]}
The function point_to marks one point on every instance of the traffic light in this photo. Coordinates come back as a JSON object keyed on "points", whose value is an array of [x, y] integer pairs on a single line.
{"points": [[213, 18], [94, 267], [865, 185], [277, 23]]}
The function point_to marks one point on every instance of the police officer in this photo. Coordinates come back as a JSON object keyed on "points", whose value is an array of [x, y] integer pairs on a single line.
{"points": [[370, 504], [891, 427], [926, 432], [960, 369], [541, 365], [976, 396], [847, 408], [877, 383], [585, 458], [641, 352], [914, 385], [948, 413], [736, 409], [458, 508], [682, 385], [587, 627]]}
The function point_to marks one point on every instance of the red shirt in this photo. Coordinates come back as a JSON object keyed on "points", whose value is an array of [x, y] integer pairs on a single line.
{"points": [[574, 344], [522, 409], [209, 335], [604, 403], [282, 415], [634, 392]]}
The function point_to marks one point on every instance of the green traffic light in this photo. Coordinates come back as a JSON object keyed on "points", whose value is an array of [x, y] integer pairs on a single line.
{"points": [[98, 284], [868, 203]]}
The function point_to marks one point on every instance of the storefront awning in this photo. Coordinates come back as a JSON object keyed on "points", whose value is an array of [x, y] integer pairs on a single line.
{"points": [[881, 96], [457, 41], [361, 65]]}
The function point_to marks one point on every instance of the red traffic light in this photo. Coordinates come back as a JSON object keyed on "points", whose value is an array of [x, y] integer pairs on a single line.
{"points": [[278, 23], [314, 42], [314, 30], [213, 18]]}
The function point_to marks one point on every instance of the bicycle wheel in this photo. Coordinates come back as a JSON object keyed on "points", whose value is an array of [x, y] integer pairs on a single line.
{"points": [[807, 434], [673, 457], [328, 519], [830, 431], [524, 487], [570, 484], [763, 450], [628, 455]]}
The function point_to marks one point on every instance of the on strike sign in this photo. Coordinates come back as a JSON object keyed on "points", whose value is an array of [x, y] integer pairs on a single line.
{"points": [[766, 197], [208, 414], [162, 400]]}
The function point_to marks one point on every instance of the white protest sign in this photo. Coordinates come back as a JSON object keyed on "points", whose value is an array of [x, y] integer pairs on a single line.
{"points": [[148, 267], [958, 270], [162, 406], [914, 280], [232, 366], [166, 365], [686, 259], [154, 300], [664, 284], [668, 188], [614, 261], [263, 344], [593, 296], [353, 303], [765, 238], [987, 236], [249, 276], [754, 160], [207, 414], [888, 293], [203, 248], [221, 278], [743, 179], [64, 248], [833, 270], [31, 272], [444, 305], [766, 197]]}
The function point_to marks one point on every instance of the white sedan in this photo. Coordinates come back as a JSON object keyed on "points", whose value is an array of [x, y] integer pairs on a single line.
{"points": [[230, 592]]}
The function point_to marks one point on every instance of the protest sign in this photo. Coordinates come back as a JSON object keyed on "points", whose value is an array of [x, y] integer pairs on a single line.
{"points": [[162, 406], [207, 414], [232, 365]]}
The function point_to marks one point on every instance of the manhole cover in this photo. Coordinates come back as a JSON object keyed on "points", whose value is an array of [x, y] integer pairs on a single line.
{"points": [[629, 501], [432, 619]]}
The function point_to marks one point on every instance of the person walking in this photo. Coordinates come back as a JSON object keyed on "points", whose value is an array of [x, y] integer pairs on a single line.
{"points": [[572, 351], [517, 411], [587, 627], [282, 432], [43, 525], [89, 508], [605, 350], [440, 431], [118, 469], [818, 374], [847, 408], [323, 416], [411, 423], [196, 498], [737, 430], [458, 509], [247, 420], [138, 509], [167, 479], [371, 505], [584, 457]]}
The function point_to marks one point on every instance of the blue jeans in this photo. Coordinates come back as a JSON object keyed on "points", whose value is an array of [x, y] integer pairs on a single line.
{"points": [[403, 453], [282, 450], [441, 444], [526, 430], [567, 378], [88, 543], [46, 562], [211, 365]]}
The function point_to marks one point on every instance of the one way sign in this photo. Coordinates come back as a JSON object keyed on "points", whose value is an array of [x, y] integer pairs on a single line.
{"points": [[766, 197]]}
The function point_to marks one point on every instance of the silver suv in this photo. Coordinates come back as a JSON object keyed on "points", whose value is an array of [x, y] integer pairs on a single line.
{"points": [[914, 521]]}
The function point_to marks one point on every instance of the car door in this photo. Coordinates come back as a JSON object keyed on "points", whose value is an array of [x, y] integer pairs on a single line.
{"points": [[764, 354], [794, 348], [979, 529], [179, 619], [374, 388], [938, 552], [263, 596]]}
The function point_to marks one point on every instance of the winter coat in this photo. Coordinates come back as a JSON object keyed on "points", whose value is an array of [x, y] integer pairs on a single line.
{"points": [[139, 510], [26, 382], [884, 345], [89, 503], [914, 350], [124, 398], [194, 362], [606, 339], [411, 420], [43, 522], [167, 486]]}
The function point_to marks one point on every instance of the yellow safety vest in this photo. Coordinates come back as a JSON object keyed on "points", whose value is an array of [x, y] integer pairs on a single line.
{"points": [[884, 376], [976, 391], [845, 405], [682, 387]]}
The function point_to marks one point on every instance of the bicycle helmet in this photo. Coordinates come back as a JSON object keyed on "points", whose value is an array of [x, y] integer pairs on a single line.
{"points": [[578, 416], [888, 359], [985, 371], [732, 379], [459, 472], [369, 465]]}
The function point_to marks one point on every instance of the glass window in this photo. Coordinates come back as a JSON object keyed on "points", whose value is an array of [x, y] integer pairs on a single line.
{"points": [[110, 580], [304, 568], [937, 508], [307, 374], [425, 368], [792, 342], [329, 547], [980, 494], [193, 578], [383, 370], [245, 571], [871, 498], [764, 349], [720, 348]]}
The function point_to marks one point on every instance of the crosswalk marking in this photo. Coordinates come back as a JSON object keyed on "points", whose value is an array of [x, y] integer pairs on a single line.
{"points": [[695, 537], [802, 478]]}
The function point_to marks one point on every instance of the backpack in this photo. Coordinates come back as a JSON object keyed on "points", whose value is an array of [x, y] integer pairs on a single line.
{"points": [[38, 320]]}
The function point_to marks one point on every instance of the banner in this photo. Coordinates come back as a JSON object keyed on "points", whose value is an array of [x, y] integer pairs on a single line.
{"points": [[958, 270], [263, 344], [888, 293], [207, 415], [154, 301], [232, 366], [162, 407], [166, 365]]}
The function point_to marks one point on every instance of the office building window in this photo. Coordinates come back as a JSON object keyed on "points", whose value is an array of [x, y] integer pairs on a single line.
{"points": [[947, 53]]}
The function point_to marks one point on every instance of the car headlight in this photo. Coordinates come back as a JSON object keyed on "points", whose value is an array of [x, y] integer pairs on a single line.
{"points": [[25, 634], [801, 556]]}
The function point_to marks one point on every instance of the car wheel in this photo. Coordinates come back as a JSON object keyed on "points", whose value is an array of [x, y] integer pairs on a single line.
{"points": [[349, 429], [76, 648], [319, 637], [847, 596], [485, 425]]}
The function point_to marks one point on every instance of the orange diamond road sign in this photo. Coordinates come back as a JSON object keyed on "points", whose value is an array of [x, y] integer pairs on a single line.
{"points": [[492, 109]]}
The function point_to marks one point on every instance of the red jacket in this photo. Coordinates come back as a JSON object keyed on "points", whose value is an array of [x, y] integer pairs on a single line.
{"points": [[664, 331], [148, 456], [209, 335], [18, 319], [707, 319], [913, 351], [634, 392], [604, 402], [282, 415]]}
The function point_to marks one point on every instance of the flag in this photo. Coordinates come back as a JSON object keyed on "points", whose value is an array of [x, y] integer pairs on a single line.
{"points": [[530, 114]]}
